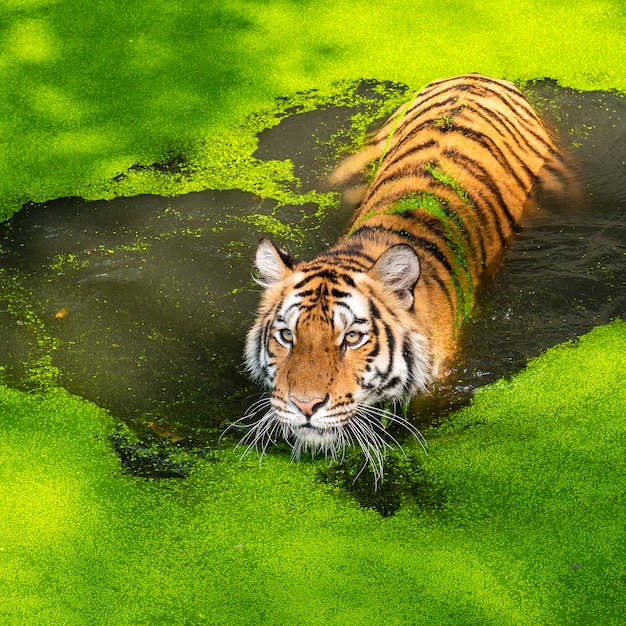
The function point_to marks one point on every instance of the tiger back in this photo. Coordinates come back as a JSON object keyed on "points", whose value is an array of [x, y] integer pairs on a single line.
{"points": [[377, 317]]}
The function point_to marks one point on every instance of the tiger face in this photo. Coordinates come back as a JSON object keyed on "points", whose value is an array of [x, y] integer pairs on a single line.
{"points": [[330, 341]]}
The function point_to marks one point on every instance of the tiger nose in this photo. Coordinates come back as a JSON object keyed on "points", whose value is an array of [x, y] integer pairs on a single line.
{"points": [[308, 407]]}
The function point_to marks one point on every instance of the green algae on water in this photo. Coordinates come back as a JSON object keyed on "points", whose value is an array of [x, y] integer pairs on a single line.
{"points": [[135, 85], [527, 517]]}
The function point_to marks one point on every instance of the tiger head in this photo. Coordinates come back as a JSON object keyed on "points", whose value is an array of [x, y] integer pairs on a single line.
{"points": [[333, 337]]}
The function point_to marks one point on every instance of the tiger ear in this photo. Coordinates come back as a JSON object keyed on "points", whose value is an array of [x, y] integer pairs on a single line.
{"points": [[398, 268], [273, 264]]}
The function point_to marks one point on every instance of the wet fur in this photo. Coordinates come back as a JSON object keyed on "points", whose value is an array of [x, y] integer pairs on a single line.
{"points": [[377, 317]]}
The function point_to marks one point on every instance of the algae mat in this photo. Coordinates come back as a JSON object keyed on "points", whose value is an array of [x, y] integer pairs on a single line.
{"points": [[91, 89], [529, 527]]}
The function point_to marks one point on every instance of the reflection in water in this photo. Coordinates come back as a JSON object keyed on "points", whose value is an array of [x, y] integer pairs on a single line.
{"points": [[143, 303]]}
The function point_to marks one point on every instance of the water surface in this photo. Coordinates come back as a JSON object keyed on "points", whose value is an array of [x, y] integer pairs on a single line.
{"points": [[142, 304]]}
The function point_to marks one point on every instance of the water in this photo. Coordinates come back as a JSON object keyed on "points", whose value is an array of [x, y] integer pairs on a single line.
{"points": [[156, 306], [142, 304], [566, 271]]}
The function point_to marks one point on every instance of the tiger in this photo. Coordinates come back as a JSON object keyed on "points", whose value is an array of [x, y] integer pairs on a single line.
{"points": [[376, 319]]}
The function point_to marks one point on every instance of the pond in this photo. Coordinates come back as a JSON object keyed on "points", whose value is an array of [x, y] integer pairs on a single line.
{"points": [[142, 304]]}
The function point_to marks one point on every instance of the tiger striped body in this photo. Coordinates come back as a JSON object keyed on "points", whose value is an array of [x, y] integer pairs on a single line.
{"points": [[377, 317]]}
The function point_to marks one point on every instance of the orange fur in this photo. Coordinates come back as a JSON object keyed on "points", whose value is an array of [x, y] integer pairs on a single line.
{"points": [[378, 316]]}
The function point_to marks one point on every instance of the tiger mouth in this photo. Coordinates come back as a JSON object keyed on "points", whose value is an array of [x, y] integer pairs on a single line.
{"points": [[310, 429], [318, 435], [328, 420]]}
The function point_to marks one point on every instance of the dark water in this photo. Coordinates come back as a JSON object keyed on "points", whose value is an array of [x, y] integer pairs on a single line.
{"points": [[566, 271], [142, 304]]}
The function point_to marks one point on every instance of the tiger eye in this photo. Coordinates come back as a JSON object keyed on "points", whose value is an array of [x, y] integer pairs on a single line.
{"points": [[352, 337], [286, 335]]}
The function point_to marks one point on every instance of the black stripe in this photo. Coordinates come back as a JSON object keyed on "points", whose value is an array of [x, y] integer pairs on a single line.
{"points": [[521, 102], [429, 93], [495, 120], [339, 303], [480, 89], [396, 167], [400, 165], [320, 265], [305, 293], [391, 347], [494, 90], [390, 384], [487, 180], [407, 356], [476, 208], [471, 83], [439, 105], [349, 253], [484, 178], [266, 340], [383, 179], [389, 171], [435, 278], [494, 149], [411, 149], [420, 243], [331, 275], [375, 316], [557, 169], [409, 131], [374, 310], [456, 218], [433, 224]]}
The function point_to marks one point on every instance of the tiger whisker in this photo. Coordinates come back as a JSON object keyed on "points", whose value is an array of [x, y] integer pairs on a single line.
{"points": [[368, 458], [255, 407], [365, 429], [344, 441], [397, 419], [375, 423], [250, 413], [266, 434], [337, 444], [372, 445], [260, 434], [296, 450]]}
